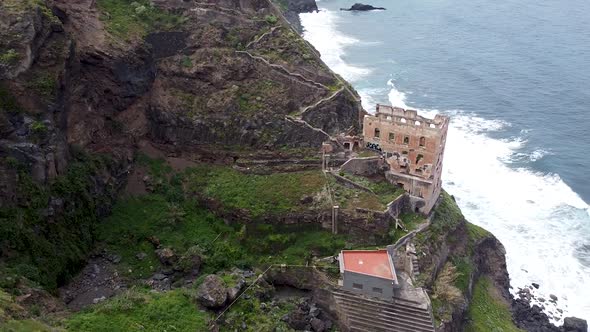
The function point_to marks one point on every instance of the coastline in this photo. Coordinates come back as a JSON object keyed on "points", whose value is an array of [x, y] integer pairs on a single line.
{"points": [[538, 305]]}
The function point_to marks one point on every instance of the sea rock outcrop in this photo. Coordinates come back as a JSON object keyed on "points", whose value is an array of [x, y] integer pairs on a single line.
{"points": [[362, 7]]}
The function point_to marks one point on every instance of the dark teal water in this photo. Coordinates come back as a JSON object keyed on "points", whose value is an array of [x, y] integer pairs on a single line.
{"points": [[514, 76]]}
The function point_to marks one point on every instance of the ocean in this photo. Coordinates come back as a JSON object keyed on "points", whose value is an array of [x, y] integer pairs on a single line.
{"points": [[513, 75]]}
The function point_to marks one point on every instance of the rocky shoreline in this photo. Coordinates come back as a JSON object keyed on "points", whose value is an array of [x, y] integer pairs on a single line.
{"points": [[529, 313]]}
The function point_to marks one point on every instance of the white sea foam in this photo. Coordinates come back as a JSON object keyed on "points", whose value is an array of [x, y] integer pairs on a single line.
{"points": [[396, 97], [543, 223], [320, 31], [537, 217]]}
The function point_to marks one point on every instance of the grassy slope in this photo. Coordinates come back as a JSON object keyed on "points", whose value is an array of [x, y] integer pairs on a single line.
{"points": [[141, 310], [259, 194], [180, 223], [487, 312]]}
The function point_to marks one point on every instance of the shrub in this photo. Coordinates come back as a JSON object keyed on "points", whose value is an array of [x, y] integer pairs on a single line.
{"points": [[187, 62], [271, 19], [9, 57]]}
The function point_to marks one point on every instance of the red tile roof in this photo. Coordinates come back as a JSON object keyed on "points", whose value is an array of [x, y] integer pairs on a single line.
{"points": [[375, 263]]}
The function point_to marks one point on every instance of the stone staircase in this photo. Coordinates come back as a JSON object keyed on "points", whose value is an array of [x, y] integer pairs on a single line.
{"points": [[372, 315]]}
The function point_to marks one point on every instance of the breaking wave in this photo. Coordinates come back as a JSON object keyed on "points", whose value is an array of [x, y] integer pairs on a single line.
{"points": [[320, 31]]}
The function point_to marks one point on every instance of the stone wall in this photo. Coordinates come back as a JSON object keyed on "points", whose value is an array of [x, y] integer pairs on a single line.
{"points": [[364, 166]]}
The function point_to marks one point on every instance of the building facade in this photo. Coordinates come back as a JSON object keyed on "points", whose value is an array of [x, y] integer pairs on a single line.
{"points": [[413, 147]]}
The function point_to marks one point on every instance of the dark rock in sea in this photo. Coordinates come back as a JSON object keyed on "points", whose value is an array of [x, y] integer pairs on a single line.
{"points": [[302, 6], [535, 285], [296, 7], [531, 318], [362, 7], [573, 324]]}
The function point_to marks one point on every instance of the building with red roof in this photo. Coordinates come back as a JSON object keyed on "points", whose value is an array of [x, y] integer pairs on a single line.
{"points": [[369, 272]]}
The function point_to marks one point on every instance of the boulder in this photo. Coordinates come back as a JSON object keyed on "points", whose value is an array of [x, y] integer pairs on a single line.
{"points": [[233, 292], [573, 324], [212, 292], [190, 261], [166, 256], [317, 325]]}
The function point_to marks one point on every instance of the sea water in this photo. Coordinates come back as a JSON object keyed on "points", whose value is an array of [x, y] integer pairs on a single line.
{"points": [[514, 76]]}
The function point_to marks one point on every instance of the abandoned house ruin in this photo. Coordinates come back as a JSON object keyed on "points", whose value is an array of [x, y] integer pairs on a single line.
{"points": [[413, 147]]}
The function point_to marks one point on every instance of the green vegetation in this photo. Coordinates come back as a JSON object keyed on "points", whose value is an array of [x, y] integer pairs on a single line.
{"points": [[256, 318], [271, 19], [383, 188], [287, 46], [38, 127], [44, 84], [137, 220], [464, 269], [487, 312], [8, 104], [49, 252], [446, 295], [447, 215], [255, 97], [476, 233], [173, 216], [9, 57], [258, 194], [234, 38], [26, 325], [141, 310], [187, 62], [130, 19], [191, 103], [410, 221]]}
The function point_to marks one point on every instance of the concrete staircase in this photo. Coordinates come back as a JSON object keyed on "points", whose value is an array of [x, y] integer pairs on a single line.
{"points": [[372, 315], [415, 267]]}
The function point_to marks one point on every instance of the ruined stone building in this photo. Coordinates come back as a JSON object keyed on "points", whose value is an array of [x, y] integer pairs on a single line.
{"points": [[413, 147]]}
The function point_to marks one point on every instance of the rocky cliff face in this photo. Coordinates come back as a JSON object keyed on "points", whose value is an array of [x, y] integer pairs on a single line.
{"points": [[84, 78]]}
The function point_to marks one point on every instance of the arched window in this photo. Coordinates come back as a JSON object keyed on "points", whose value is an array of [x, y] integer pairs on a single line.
{"points": [[403, 120], [422, 141], [417, 123], [407, 140], [377, 132], [391, 136]]}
